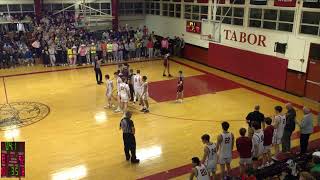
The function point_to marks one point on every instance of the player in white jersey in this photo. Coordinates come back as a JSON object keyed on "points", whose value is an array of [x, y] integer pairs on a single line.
{"points": [[279, 123], [257, 144], [199, 170], [109, 91], [209, 158], [225, 145], [144, 95], [118, 81], [124, 95], [137, 82]]}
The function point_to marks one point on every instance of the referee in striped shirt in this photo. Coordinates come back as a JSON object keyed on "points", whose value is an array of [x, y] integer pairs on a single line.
{"points": [[129, 140]]}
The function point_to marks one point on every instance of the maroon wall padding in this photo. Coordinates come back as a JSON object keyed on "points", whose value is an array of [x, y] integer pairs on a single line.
{"points": [[195, 53], [261, 68], [295, 82]]}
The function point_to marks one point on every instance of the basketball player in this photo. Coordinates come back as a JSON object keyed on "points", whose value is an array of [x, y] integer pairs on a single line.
{"points": [[267, 143], [225, 145], [109, 91], [144, 95], [279, 123], [124, 94], [244, 147], [118, 81], [199, 170], [180, 88], [166, 65], [137, 82], [210, 155], [257, 144]]}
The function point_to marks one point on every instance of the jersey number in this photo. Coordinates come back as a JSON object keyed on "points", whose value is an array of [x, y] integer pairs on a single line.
{"points": [[203, 172], [227, 140]]}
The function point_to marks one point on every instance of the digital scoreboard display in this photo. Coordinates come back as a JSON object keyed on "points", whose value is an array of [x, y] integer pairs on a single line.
{"points": [[12, 159]]}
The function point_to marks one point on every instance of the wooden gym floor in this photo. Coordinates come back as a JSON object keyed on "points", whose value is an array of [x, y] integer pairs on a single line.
{"points": [[79, 139]]}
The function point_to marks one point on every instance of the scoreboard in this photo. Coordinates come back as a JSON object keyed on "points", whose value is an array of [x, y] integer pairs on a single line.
{"points": [[13, 159], [193, 27]]}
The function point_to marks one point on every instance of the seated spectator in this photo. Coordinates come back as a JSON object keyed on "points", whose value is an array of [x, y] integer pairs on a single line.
{"points": [[315, 169]]}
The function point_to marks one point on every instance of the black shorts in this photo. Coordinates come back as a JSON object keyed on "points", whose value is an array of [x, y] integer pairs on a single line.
{"points": [[180, 89]]}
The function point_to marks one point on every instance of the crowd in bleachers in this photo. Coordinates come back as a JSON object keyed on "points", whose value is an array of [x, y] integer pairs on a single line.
{"points": [[56, 40]]}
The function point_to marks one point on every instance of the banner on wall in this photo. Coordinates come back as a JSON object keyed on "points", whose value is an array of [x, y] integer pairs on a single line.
{"points": [[285, 3], [193, 27], [237, 1], [311, 3], [258, 2]]}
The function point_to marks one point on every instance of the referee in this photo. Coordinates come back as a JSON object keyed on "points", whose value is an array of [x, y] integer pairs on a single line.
{"points": [[129, 140], [97, 70]]}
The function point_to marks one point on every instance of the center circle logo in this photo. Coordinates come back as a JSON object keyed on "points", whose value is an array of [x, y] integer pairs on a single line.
{"points": [[20, 114]]}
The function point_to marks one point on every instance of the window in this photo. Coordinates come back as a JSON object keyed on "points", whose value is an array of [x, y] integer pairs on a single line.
{"points": [[3, 8], [310, 23], [172, 10], [230, 15], [195, 12], [57, 7], [15, 7], [27, 7], [275, 19], [153, 7]]}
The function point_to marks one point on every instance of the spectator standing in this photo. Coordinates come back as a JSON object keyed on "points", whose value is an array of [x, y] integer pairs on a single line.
{"points": [[74, 55], [306, 129], [244, 147], [126, 52], [52, 53], [104, 50], [288, 128], [115, 48], [93, 52], [109, 50], [181, 49], [129, 140], [132, 49], [45, 56], [138, 49], [150, 48], [82, 53], [120, 52], [156, 48]]}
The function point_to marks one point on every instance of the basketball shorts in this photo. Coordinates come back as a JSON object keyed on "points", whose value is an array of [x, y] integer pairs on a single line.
{"points": [[124, 98], [245, 161], [277, 139], [224, 160], [137, 91], [179, 89], [267, 149], [109, 94], [211, 166]]}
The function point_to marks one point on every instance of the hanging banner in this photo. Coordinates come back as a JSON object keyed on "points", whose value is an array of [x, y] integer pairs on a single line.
{"points": [[311, 3], [285, 3], [258, 2], [237, 1]]}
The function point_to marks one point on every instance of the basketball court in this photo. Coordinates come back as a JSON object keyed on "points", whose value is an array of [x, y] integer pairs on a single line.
{"points": [[77, 136], [234, 59]]}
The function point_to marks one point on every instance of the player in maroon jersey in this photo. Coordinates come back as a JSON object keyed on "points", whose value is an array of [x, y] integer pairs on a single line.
{"points": [[166, 65], [180, 88]]}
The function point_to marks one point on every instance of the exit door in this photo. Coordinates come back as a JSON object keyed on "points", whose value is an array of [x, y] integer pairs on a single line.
{"points": [[313, 77]]}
